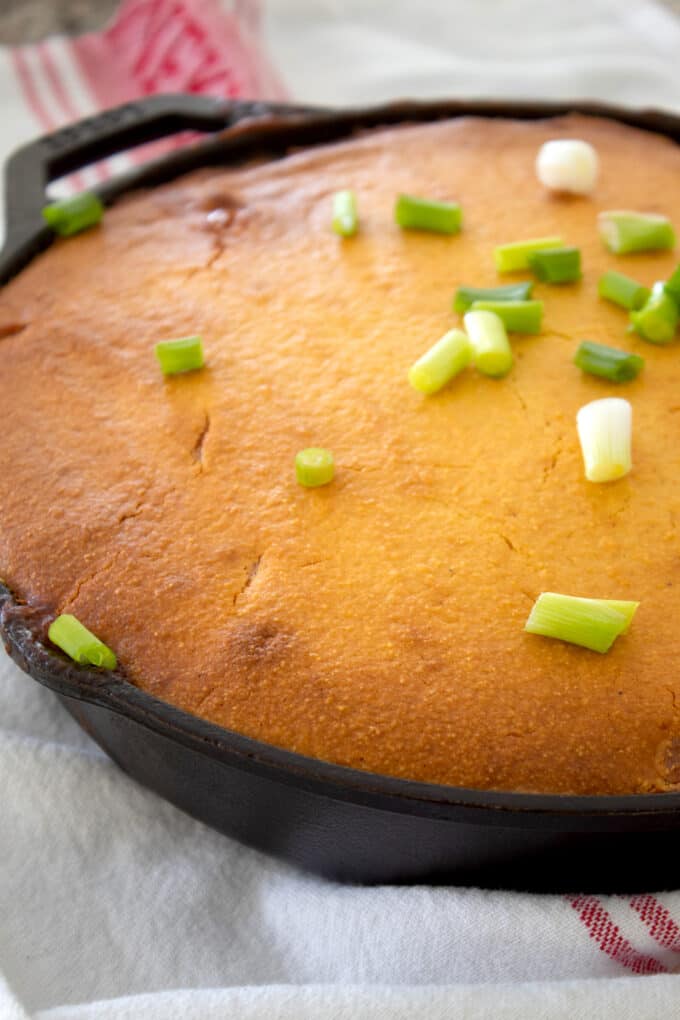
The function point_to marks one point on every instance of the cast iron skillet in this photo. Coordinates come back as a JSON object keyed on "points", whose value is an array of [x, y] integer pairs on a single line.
{"points": [[339, 822]]}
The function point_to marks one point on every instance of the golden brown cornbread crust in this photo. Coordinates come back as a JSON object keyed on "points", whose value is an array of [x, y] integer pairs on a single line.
{"points": [[377, 622]]}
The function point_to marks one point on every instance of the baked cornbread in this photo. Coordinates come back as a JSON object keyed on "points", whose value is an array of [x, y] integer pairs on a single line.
{"points": [[378, 621]]}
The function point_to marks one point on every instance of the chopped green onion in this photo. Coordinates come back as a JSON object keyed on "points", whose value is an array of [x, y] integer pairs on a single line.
{"points": [[622, 290], [604, 431], [436, 367], [182, 355], [672, 286], [491, 352], [608, 362], [72, 637], [510, 257], [345, 213], [465, 296], [591, 623], [658, 318], [413, 213], [623, 231], [556, 265], [314, 466], [517, 316], [71, 215], [567, 164]]}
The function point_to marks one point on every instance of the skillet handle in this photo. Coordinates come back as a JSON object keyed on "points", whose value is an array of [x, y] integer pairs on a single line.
{"points": [[145, 120], [31, 168]]}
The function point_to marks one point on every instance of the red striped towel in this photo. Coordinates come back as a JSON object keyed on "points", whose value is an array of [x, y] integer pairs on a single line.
{"points": [[151, 46]]}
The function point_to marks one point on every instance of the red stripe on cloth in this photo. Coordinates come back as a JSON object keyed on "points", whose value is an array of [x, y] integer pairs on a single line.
{"points": [[174, 48], [608, 937], [662, 927], [32, 95], [61, 95], [177, 46], [28, 88]]}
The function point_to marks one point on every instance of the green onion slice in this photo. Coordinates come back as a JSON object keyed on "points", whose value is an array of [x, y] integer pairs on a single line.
{"points": [[69, 634], [413, 213], [568, 164], [657, 320], [466, 296], [591, 623], [622, 290], [556, 265], [672, 286], [491, 353], [517, 316], [182, 355], [624, 231], [314, 466], [441, 363], [71, 215], [608, 362], [510, 257], [345, 213], [604, 430]]}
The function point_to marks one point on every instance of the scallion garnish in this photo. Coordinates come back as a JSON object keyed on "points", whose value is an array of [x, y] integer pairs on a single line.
{"points": [[622, 290], [604, 431], [314, 466], [567, 164], [345, 213], [413, 213], [465, 296], [514, 256], [182, 355], [441, 363], [624, 231], [657, 320], [672, 286], [591, 623], [69, 634], [556, 265], [608, 362], [491, 352], [71, 215], [517, 316]]}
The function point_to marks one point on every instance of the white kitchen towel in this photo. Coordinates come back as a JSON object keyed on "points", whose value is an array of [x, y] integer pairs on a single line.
{"points": [[358, 51], [115, 905]]}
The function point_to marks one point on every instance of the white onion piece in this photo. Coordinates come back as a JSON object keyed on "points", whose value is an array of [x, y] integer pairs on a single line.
{"points": [[568, 164], [604, 430]]}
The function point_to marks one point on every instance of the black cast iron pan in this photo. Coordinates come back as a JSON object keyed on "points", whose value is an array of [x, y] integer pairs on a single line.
{"points": [[340, 822]]}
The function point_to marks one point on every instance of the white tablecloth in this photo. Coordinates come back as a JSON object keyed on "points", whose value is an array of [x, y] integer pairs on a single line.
{"points": [[112, 903]]}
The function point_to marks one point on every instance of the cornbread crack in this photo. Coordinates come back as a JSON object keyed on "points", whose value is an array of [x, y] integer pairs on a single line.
{"points": [[199, 445]]}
